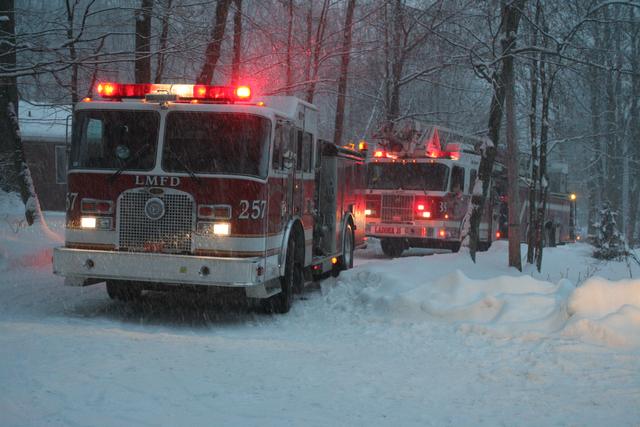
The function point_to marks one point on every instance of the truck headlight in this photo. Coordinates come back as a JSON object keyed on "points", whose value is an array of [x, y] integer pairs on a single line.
{"points": [[93, 222], [221, 228], [214, 228], [88, 222]]}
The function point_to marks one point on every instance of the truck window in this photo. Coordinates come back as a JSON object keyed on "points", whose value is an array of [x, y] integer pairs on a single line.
{"points": [[307, 151], [472, 180], [278, 144], [111, 139], [413, 176], [216, 143], [457, 179]]}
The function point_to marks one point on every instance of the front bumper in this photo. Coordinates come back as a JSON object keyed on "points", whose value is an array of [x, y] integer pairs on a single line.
{"points": [[432, 230], [82, 266]]}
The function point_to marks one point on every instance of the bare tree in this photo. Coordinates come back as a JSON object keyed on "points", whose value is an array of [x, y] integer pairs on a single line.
{"points": [[315, 44], [512, 160], [344, 71], [163, 41], [511, 14], [9, 126], [143, 42], [214, 47], [237, 42], [289, 59]]}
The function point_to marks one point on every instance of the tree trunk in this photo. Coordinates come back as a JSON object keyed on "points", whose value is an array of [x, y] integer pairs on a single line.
{"points": [[72, 51], [317, 48], [237, 43], [513, 174], [511, 20], [164, 38], [596, 172], [534, 143], [142, 66], [396, 63], [289, 64], [11, 142], [546, 86], [212, 54], [634, 134], [8, 94], [308, 43], [344, 71]]}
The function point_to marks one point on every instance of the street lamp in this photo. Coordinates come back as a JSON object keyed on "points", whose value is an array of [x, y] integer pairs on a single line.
{"points": [[572, 216]]}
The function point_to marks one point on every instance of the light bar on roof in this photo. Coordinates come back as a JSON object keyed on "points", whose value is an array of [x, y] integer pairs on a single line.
{"points": [[109, 90]]}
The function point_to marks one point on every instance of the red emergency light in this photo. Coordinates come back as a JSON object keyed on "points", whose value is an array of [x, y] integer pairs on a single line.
{"points": [[434, 149], [118, 90], [438, 154], [110, 90], [422, 209], [384, 154]]}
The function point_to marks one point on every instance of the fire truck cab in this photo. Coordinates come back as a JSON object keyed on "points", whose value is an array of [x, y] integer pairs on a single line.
{"points": [[199, 185], [419, 187]]}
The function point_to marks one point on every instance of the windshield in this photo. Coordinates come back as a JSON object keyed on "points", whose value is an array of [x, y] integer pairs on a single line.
{"points": [[113, 139], [216, 143], [413, 176]]}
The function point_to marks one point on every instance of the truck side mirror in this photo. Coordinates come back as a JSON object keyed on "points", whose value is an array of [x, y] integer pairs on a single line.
{"points": [[288, 159]]}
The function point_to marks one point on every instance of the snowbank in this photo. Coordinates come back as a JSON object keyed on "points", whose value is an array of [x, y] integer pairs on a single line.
{"points": [[505, 306], [509, 305], [606, 312], [22, 246]]}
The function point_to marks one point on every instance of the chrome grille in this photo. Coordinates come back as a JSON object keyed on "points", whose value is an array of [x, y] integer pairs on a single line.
{"points": [[397, 208], [171, 233]]}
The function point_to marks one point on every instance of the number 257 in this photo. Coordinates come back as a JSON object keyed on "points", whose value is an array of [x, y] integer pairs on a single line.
{"points": [[253, 209]]}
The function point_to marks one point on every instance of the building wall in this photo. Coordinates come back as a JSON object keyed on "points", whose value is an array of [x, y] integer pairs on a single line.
{"points": [[48, 165]]}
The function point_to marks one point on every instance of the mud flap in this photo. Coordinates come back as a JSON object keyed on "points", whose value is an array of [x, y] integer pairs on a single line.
{"points": [[263, 290], [81, 281]]}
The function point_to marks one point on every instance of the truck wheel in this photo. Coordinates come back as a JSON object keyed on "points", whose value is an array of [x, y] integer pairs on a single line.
{"points": [[483, 246], [123, 291], [347, 248], [346, 260], [392, 248], [293, 277]]}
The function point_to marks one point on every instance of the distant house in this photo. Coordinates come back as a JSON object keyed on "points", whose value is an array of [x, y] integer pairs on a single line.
{"points": [[46, 132]]}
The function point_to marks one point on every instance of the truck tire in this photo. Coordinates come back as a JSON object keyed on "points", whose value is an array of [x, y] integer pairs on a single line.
{"points": [[293, 277], [123, 291], [346, 260], [392, 248], [347, 248], [483, 246]]}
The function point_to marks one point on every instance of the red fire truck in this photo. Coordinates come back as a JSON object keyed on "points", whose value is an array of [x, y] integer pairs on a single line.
{"points": [[420, 182], [198, 185]]}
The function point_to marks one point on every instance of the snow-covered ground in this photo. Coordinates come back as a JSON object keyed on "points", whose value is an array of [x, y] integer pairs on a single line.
{"points": [[427, 339]]}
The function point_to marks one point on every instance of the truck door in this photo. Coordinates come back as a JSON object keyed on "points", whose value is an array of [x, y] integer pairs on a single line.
{"points": [[297, 195], [284, 164]]}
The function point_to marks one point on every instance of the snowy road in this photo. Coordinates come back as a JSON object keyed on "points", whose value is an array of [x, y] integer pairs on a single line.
{"points": [[351, 352]]}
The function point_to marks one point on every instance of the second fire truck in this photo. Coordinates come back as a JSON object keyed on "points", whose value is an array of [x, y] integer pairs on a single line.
{"points": [[196, 185], [420, 183]]}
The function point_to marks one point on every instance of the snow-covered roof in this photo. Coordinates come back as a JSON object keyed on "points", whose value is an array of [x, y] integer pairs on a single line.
{"points": [[44, 122]]}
